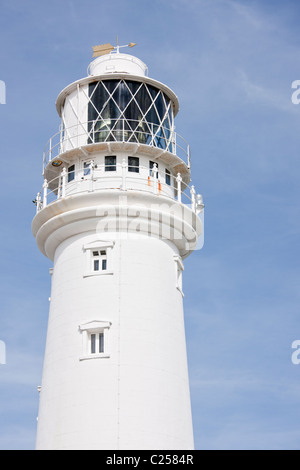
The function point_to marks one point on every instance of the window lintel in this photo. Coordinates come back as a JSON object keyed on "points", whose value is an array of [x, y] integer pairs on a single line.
{"points": [[98, 245], [94, 325]]}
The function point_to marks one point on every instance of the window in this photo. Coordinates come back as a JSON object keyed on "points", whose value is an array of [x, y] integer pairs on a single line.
{"points": [[98, 258], [96, 343], [168, 177], [133, 164], [95, 339], [151, 165], [111, 163], [71, 173], [86, 168]]}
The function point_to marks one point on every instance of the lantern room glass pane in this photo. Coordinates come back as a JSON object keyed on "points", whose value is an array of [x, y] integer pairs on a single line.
{"points": [[129, 111]]}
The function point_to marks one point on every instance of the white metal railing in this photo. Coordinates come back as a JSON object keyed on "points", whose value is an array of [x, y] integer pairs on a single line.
{"points": [[116, 130], [98, 177]]}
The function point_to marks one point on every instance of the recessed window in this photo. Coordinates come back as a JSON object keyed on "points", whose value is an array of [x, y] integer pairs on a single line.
{"points": [[71, 173], [86, 168], [151, 165], [100, 260], [111, 163], [95, 339], [133, 164], [168, 177], [93, 343], [96, 343]]}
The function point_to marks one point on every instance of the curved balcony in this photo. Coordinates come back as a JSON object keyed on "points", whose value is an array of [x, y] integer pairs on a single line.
{"points": [[116, 130], [96, 178]]}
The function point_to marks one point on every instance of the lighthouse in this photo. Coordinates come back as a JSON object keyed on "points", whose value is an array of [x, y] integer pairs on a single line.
{"points": [[117, 215]]}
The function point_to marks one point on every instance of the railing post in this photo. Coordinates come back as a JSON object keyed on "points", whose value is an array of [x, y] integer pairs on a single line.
{"points": [[193, 198], [154, 174], [59, 186], [63, 182], [50, 149], [38, 202], [174, 143], [123, 131], [91, 167], [60, 139], [179, 180], [199, 203], [45, 193], [124, 165]]}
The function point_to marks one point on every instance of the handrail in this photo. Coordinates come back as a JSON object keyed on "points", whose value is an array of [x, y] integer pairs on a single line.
{"points": [[122, 178], [116, 130]]}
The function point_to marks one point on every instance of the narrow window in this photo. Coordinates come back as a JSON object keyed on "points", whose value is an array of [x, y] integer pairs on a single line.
{"points": [[101, 342], [97, 343], [95, 340], [111, 163], [96, 265], [93, 344], [104, 264], [71, 173], [133, 164], [151, 165], [168, 177]]}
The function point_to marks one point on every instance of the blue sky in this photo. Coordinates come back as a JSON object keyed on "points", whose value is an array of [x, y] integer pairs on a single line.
{"points": [[231, 63]]}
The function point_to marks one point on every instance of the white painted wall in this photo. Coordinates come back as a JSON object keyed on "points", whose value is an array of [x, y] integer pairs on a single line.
{"points": [[138, 398]]}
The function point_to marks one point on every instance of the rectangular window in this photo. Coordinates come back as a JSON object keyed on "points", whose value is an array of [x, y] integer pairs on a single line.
{"points": [[99, 260], [101, 342], [111, 163], [93, 344], [71, 173], [86, 168], [97, 343], [133, 164], [151, 165], [95, 340], [168, 177]]}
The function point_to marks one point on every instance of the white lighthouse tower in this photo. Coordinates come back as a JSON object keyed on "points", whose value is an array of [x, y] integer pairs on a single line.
{"points": [[117, 218]]}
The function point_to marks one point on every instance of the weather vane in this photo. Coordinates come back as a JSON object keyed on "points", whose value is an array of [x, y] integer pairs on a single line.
{"points": [[107, 48]]}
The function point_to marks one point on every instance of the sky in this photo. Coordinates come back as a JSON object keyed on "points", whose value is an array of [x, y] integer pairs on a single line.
{"points": [[232, 64]]}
